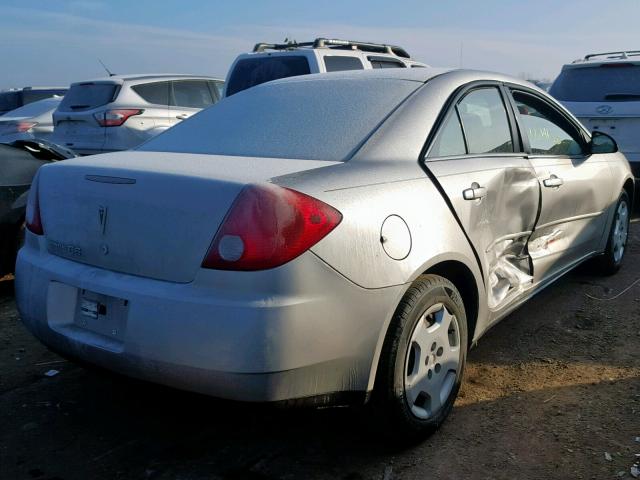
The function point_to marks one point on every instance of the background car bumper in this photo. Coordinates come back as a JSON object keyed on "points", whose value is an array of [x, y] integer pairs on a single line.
{"points": [[254, 336]]}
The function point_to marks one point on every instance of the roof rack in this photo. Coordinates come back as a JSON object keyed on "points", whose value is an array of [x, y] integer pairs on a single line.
{"points": [[619, 55], [335, 43]]}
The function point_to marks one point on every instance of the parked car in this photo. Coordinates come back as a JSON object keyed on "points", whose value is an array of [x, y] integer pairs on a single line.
{"points": [[603, 91], [34, 120], [270, 61], [19, 162], [329, 238], [122, 111], [16, 98]]}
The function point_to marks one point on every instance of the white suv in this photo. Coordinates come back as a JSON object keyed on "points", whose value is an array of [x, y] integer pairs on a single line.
{"points": [[122, 111], [603, 91], [270, 61]]}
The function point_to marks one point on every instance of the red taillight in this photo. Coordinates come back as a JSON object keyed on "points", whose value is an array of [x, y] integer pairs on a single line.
{"points": [[268, 226], [25, 126], [32, 218], [115, 118]]}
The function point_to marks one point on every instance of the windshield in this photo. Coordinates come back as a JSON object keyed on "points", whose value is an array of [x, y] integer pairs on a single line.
{"points": [[85, 96], [34, 109], [319, 119], [610, 82], [250, 72]]}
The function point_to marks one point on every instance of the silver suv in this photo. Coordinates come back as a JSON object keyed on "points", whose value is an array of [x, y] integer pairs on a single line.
{"points": [[122, 111], [603, 91], [270, 61]]}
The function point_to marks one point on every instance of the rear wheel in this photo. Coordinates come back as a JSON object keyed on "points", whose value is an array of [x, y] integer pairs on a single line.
{"points": [[611, 261], [423, 358]]}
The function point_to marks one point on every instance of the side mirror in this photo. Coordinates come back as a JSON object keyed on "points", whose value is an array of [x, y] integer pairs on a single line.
{"points": [[602, 143]]}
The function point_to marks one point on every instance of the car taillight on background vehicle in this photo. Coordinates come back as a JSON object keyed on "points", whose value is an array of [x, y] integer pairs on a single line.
{"points": [[22, 127], [267, 226], [115, 118], [9, 128], [33, 221]]}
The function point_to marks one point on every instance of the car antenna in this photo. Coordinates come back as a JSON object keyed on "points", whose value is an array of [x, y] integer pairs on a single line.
{"points": [[105, 67]]}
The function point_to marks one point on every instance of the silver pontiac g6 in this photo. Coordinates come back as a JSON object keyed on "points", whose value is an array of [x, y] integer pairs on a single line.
{"points": [[327, 238]]}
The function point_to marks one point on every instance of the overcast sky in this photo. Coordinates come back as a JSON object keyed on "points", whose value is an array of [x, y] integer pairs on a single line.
{"points": [[55, 43]]}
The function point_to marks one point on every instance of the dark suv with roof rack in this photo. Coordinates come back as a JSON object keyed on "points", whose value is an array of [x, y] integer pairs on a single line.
{"points": [[603, 91], [270, 61]]}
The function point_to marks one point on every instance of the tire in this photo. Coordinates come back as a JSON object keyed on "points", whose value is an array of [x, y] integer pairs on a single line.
{"points": [[611, 261], [422, 360]]}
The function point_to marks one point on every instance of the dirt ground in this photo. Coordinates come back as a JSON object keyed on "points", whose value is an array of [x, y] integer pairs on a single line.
{"points": [[553, 392]]}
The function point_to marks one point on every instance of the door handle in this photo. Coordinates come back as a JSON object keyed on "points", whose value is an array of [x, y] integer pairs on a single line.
{"points": [[475, 192], [182, 116], [553, 181]]}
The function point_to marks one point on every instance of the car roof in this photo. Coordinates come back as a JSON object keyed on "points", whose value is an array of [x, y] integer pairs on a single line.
{"points": [[461, 76], [29, 89], [147, 76], [597, 59]]}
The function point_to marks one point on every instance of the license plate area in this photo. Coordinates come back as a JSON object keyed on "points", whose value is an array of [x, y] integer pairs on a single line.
{"points": [[101, 314]]}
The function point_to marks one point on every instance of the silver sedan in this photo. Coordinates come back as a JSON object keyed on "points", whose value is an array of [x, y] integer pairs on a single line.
{"points": [[322, 239]]}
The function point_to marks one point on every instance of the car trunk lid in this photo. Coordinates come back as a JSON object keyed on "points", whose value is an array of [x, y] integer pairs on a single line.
{"points": [[149, 214]]}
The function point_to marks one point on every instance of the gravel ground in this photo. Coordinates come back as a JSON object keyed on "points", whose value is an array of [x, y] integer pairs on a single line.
{"points": [[551, 392]]}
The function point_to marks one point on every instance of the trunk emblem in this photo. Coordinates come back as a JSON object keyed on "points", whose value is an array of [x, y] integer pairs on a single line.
{"points": [[102, 218], [604, 109]]}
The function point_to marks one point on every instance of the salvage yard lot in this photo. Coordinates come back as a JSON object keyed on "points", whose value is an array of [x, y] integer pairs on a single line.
{"points": [[547, 392]]}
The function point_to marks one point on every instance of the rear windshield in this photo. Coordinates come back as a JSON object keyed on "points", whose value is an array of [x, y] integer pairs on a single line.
{"points": [[618, 82], [30, 96], [319, 119], [35, 108], [250, 72], [85, 96]]}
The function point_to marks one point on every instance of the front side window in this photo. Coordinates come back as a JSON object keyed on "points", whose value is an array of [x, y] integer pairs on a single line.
{"points": [[485, 123], [548, 132], [336, 63], [191, 94], [450, 140]]}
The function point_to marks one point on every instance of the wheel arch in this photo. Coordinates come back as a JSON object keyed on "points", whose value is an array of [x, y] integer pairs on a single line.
{"points": [[463, 279], [461, 273], [629, 187]]}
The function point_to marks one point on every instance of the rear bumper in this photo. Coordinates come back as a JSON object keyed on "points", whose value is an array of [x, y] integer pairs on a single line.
{"points": [[298, 331]]}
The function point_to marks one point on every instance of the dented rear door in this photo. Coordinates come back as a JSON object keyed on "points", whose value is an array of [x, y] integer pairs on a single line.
{"points": [[492, 189], [576, 188]]}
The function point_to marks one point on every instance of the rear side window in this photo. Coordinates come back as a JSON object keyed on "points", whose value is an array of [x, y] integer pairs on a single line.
{"points": [[450, 140], [85, 96], [191, 94], [612, 82], [485, 122], [384, 62], [250, 72], [156, 93], [549, 133], [338, 63]]}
